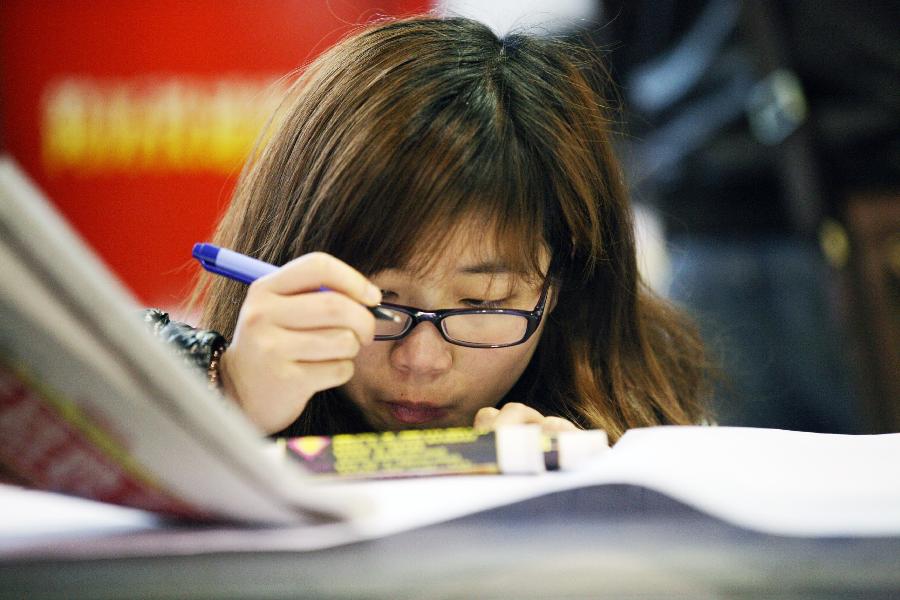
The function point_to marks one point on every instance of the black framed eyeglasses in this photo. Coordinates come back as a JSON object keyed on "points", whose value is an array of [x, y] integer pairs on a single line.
{"points": [[469, 327]]}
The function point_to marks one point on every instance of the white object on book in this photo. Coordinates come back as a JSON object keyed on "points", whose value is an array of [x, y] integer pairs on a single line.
{"points": [[519, 450]]}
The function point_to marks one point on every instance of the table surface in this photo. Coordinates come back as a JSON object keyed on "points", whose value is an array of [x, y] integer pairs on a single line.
{"points": [[597, 542]]}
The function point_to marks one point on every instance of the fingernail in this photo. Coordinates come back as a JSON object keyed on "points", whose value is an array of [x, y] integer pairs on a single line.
{"points": [[373, 295]]}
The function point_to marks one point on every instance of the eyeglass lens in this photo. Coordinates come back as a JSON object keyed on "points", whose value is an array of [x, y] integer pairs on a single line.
{"points": [[469, 328]]}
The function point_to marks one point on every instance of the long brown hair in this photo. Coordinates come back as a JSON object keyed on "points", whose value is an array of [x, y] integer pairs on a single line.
{"points": [[399, 132]]}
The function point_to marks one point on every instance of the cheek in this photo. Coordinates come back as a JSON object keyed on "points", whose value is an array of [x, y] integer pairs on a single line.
{"points": [[370, 361], [496, 371], [370, 370]]}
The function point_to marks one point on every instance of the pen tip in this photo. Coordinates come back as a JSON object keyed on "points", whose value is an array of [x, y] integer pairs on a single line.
{"points": [[387, 315]]}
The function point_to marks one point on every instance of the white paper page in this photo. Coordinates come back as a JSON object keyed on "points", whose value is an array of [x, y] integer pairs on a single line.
{"points": [[399, 505], [203, 448], [30, 516], [782, 482]]}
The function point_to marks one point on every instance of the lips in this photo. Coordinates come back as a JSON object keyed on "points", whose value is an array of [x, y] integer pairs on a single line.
{"points": [[415, 414]]}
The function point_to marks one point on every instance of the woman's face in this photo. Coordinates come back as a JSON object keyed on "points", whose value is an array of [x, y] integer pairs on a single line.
{"points": [[423, 381]]}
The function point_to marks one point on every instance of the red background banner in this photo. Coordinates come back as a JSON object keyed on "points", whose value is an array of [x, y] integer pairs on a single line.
{"points": [[134, 117]]}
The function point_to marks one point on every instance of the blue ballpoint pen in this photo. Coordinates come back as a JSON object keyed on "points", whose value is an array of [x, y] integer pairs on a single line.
{"points": [[245, 269]]}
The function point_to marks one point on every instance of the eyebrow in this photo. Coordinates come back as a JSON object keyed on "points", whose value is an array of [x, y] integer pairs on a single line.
{"points": [[487, 268]]}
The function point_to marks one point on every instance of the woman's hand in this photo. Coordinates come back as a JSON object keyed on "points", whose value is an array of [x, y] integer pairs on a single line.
{"points": [[292, 340], [515, 413]]}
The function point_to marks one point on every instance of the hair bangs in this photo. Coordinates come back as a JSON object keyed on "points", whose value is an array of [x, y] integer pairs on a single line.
{"points": [[454, 168], [432, 199]]}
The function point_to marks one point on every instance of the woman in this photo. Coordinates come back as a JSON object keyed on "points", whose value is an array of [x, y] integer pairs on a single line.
{"points": [[452, 170]]}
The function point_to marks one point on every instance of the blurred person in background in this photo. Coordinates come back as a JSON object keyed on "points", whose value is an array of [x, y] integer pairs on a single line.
{"points": [[748, 125]]}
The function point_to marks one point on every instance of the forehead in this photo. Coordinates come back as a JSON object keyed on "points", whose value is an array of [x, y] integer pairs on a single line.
{"points": [[473, 249]]}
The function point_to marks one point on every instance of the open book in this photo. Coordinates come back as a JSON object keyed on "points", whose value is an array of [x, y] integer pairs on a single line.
{"points": [[91, 404]]}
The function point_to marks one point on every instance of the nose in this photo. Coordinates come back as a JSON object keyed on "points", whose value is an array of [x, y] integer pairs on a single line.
{"points": [[422, 353]]}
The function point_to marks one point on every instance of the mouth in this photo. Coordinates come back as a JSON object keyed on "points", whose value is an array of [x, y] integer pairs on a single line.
{"points": [[415, 414]]}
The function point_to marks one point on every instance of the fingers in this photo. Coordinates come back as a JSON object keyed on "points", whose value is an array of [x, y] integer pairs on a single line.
{"points": [[312, 271], [316, 345], [310, 311], [320, 375], [515, 413], [300, 379], [484, 418], [275, 401], [292, 340], [557, 424]]}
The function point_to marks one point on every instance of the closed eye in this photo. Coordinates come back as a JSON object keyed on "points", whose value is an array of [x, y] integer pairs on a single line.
{"points": [[488, 304]]}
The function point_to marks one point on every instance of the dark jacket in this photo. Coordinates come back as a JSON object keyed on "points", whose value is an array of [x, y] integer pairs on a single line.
{"points": [[197, 347]]}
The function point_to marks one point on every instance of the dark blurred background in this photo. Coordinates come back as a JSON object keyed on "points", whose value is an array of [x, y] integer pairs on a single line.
{"points": [[765, 136], [761, 142]]}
